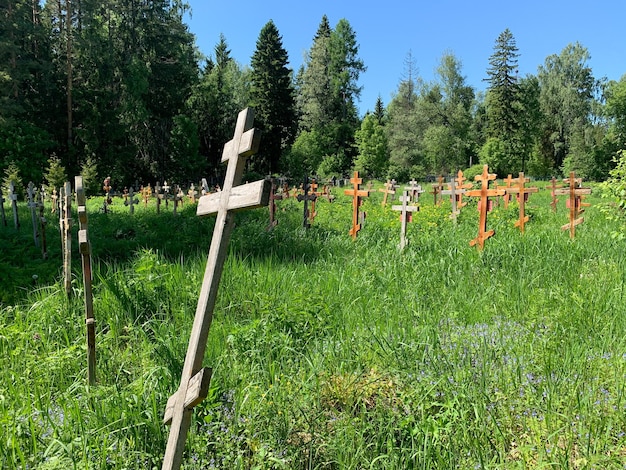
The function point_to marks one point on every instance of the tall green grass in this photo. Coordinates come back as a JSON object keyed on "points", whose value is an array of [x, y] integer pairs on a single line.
{"points": [[329, 352]]}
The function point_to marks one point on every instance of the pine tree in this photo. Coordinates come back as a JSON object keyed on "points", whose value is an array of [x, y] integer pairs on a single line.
{"points": [[272, 96]]}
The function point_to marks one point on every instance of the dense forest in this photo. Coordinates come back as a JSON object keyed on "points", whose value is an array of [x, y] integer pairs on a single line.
{"points": [[118, 88]]}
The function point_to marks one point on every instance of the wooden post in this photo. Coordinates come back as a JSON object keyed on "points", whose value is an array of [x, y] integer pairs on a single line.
{"points": [[272, 205], [576, 194], [132, 200], [84, 247], [436, 190], [356, 194], [553, 187], [306, 196], [13, 199], [32, 205], [405, 216], [522, 193], [42, 227], [389, 188], [484, 193], [195, 380], [4, 218], [66, 235]]}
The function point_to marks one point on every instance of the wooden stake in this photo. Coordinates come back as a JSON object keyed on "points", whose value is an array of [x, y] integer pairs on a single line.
{"points": [[195, 380], [405, 216], [484, 193], [84, 247], [356, 194]]}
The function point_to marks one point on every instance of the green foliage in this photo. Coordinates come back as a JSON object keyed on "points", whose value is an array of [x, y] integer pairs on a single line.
{"points": [[306, 154], [186, 166], [89, 172], [25, 145], [55, 173], [473, 171], [12, 174], [373, 158], [494, 154]]}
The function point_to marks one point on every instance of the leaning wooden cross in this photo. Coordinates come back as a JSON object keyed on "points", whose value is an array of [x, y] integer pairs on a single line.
{"points": [[405, 216], [576, 194], [389, 188], [195, 380], [522, 192], [356, 194], [84, 247], [484, 193]]}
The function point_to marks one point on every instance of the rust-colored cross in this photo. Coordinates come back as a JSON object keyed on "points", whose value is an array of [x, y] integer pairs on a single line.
{"points": [[436, 190], [576, 194], [484, 193], [522, 196], [461, 184], [388, 188], [406, 215], [356, 194], [233, 197], [84, 246]]}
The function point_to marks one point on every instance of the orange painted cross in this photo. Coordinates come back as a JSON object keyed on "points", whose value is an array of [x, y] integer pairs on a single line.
{"points": [[522, 191], [576, 194], [484, 193], [389, 188], [356, 194]]}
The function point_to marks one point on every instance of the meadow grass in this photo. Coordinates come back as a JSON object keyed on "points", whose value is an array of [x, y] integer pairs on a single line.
{"points": [[326, 352]]}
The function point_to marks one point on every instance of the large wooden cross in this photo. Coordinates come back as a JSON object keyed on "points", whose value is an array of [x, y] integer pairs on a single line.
{"points": [[576, 194], [389, 188], [32, 204], [406, 216], [484, 193], [522, 193], [84, 247], [195, 380], [13, 198], [356, 194]]}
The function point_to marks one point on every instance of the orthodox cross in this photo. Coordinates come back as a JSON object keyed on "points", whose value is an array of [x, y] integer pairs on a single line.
{"points": [[389, 188], [192, 193], [508, 181], [42, 226], [306, 196], [84, 247], [147, 194], [459, 186], [195, 379], [32, 204], [285, 191], [166, 194], [484, 193], [553, 187], [272, 204], [4, 218], [406, 215], [522, 193], [132, 200], [356, 194], [107, 193], [436, 191], [414, 190], [576, 194], [178, 198], [65, 219], [453, 192], [13, 198]]}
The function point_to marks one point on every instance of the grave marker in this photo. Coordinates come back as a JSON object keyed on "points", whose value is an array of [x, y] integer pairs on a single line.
{"points": [[414, 190], [553, 187], [508, 184], [166, 194], [66, 235], [405, 216], [42, 227], [192, 193], [32, 204], [389, 188], [522, 193], [454, 193], [146, 194], [460, 184], [272, 205], [195, 380], [107, 195], [356, 194], [306, 196], [437, 189], [159, 196], [4, 218], [13, 198], [131, 200], [55, 201], [84, 247], [484, 193], [576, 194]]}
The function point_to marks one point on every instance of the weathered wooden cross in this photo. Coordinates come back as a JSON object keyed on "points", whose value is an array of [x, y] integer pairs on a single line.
{"points": [[274, 196], [414, 190], [132, 200], [553, 187], [522, 193], [84, 247], [306, 196], [406, 216], [146, 194], [576, 193], [436, 191], [32, 204], [356, 194], [65, 221], [13, 198], [166, 193], [389, 188], [55, 200], [195, 380], [454, 193], [484, 193], [192, 194]]}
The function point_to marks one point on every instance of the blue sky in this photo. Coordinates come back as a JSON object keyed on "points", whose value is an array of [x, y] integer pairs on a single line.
{"points": [[387, 31]]}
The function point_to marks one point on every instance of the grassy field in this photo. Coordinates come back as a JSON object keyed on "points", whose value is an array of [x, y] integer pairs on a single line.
{"points": [[327, 353]]}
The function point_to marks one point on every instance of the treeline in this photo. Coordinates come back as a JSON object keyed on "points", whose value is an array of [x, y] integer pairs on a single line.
{"points": [[117, 88]]}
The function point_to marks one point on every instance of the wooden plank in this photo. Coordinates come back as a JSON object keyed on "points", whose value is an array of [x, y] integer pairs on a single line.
{"points": [[245, 196]]}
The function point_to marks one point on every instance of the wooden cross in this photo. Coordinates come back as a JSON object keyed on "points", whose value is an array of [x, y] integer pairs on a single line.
{"points": [[195, 380], [55, 200], [42, 227], [327, 194], [285, 191], [454, 194], [576, 194], [459, 186], [147, 194], [205, 187], [272, 204], [307, 195], [166, 194], [84, 247], [522, 193], [553, 187], [414, 190], [508, 182], [32, 204], [356, 194], [107, 191], [13, 198], [180, 195], [159, 195], [192, 193], [65, 219], [405, 216], [4, 218], [389, 188], [484, 193], [437, 188], [132, 200]]}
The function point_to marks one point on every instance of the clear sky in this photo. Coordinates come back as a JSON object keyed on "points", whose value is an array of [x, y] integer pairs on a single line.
{"points": [[387, 31]]}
